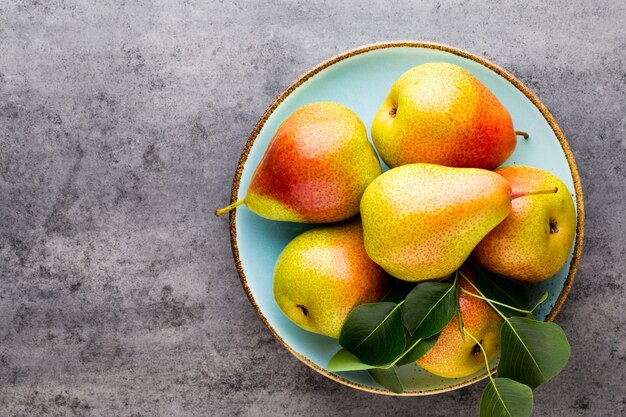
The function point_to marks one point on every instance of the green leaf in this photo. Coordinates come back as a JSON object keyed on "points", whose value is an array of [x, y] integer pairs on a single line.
{"points": [[532, 352], [399, 292], [429, 308], [345, 361], [504, 290], [417, 351], [387, 378], [374, 333], [504, 397]]}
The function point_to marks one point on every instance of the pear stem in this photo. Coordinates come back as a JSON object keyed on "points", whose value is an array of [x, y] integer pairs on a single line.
{"points": [[519, 194], [521, 133], [229, 207]]}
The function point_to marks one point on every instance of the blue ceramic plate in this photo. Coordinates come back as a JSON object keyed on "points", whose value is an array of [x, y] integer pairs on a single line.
{"points": [[360, 80]]}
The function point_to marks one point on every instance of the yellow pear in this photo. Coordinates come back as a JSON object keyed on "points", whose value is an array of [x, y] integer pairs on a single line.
{"points": [[455, 355], [323, 274], [534, 241], [422, 221]]}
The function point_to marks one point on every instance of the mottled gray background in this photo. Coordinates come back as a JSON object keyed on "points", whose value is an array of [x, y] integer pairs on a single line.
{"points": [[121, 124]]}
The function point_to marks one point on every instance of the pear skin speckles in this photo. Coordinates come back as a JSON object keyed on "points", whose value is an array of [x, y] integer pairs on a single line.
{"points": [[323, 274], [454, 356], [441, 114], [534, 241], [316, 167], [421, 221]]}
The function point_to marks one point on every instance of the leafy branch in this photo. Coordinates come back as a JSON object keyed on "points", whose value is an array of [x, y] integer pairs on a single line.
{"points": [[380, 337], [532, 353]]}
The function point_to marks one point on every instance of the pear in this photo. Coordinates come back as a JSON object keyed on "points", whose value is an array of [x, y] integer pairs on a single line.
{"points": [[455, 355], [315, 169], [323, 274], [441, 114], [421, 221], [534, 241]]}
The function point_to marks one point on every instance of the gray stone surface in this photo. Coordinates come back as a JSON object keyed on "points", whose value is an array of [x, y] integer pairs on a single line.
{"points": [[120, 128]]}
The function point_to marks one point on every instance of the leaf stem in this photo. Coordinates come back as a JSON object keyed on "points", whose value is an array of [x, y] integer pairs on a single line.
{"points": [[457, 284], [483, 352], [471, 294], [493, 383]]}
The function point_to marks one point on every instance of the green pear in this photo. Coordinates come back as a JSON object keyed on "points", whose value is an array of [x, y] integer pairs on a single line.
{"points": [[421, 221], [456, 355], [534, 241], [315, 168], [439, 113], [324, 273]]}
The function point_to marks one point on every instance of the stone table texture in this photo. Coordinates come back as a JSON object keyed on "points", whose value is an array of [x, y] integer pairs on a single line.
{"points": [[121, 123]]}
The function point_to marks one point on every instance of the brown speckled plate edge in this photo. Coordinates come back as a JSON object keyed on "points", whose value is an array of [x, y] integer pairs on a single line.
{"points": [[409, 44]]}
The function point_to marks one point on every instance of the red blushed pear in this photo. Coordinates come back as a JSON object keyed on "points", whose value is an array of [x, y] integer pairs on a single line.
{"points": [[439, 113], [315, 169], [534, 241]]}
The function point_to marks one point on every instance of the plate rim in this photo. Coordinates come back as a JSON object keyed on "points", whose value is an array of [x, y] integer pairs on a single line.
{"points": [[406, 44]]}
